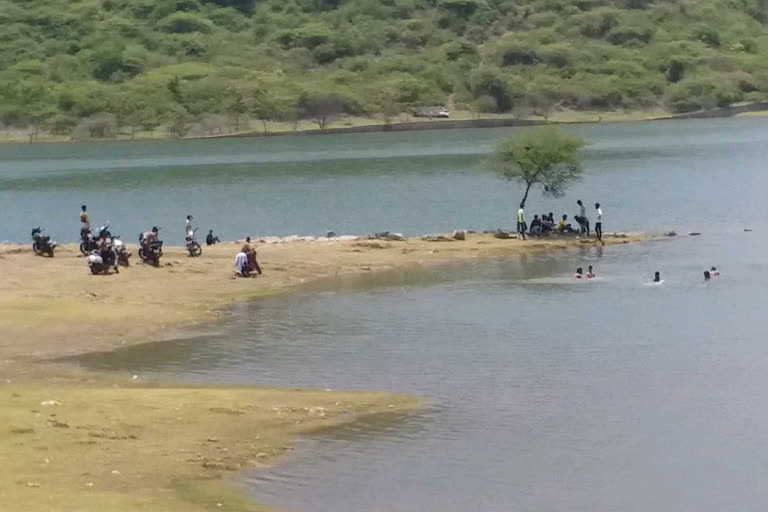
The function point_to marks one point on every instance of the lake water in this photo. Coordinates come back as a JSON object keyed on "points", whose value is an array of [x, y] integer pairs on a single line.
{"points": [[647, 176], [545, 394]]}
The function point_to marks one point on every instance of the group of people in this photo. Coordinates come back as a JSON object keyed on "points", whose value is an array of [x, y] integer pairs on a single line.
{"points": [[580, 273], [708, 274], [246, 263], [544, 225], [210, 239]]}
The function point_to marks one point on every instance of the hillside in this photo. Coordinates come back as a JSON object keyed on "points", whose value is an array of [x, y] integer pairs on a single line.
{"points": [[90, 66]]}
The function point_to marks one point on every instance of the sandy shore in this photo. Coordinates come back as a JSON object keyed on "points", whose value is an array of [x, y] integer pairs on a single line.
{"points": [[54, 307], [79, 441]]}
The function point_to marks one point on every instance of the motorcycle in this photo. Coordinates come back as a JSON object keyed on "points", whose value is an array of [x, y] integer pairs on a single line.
{"points": [[121, 251], [192, 246], [96, 263], [150, 253], [42, 244], [90, 242], [101, 260]]}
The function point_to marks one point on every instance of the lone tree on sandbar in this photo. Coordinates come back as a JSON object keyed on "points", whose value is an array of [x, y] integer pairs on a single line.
{"points": [[546, 158]]}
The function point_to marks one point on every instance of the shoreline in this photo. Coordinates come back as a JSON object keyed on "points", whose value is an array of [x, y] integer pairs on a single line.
{"points": [[102, 441], [749, 110]]}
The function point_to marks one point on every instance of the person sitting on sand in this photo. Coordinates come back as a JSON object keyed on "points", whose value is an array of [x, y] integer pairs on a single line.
{"points": [[590, 273], [578, 274], [241, 262], [535, 228], [657, 277], [546, 226], [564, 227], [714, 272], [210, 239]]}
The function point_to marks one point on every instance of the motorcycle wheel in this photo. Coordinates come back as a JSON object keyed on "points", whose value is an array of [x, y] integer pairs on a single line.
{"points": [[124, 261], [50, 253], [155, 260], [195, 249], [84, 248], [37, 249], [143, 254], [96, 269]]}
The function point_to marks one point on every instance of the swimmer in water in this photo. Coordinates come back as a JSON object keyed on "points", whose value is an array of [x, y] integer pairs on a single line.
{"points": [[657, 277], [578, 274], [706, 275], [714, 272], [590, 273]]}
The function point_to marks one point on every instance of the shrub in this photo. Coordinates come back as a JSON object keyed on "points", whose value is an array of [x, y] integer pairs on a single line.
{"points": [[186, 23], [102, 126]]}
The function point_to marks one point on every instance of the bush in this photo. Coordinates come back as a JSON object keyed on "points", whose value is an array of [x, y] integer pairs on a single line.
{"points": [[699, 93], [186, 23], [102, 126]]}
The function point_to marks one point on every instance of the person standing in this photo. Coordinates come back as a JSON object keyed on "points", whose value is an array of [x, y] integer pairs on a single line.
{"points": [[521, 227], [582, 218], [599, 222], [85, 221]]}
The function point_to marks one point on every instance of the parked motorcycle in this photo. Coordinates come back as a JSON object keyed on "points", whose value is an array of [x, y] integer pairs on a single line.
{"points": [[42, 244], [101, 260], [150, 253], [90, 242], [121, 251], [192, 246], [96, 263]]}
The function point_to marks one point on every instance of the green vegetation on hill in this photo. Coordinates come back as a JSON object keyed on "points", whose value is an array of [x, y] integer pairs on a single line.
{"points": [[92, 67]]}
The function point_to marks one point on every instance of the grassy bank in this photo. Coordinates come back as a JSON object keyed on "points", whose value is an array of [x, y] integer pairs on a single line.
{"points": [[107, 445]]}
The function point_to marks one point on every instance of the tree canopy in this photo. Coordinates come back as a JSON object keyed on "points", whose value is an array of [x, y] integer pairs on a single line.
{"points": [[546, 158]]}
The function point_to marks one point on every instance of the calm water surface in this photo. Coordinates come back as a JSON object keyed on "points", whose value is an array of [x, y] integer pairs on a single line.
{"points": [[649, 175], [546, 394]]}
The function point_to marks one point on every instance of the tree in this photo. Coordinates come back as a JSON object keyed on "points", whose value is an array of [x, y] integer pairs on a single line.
{"points": [[236, 106], [546, 158], [321, 108]]}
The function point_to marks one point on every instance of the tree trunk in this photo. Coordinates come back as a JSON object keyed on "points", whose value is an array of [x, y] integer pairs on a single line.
{"points": [[528, 186]]}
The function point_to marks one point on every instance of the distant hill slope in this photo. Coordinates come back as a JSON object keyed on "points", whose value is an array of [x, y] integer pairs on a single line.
{"points": [[147, 63]]}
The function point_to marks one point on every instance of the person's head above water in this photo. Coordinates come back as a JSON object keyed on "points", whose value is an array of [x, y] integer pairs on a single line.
{"points": [[522, 205], [589, 268], [578, 202], [707, 275], [714, 269], [83, 207], [657, 276], [579, 270]]}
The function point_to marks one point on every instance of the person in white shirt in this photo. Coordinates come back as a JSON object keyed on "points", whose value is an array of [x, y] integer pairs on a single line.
{"points": [[522, 227], [241, 262], [582, 219], [188, 227], [599, 222]]}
